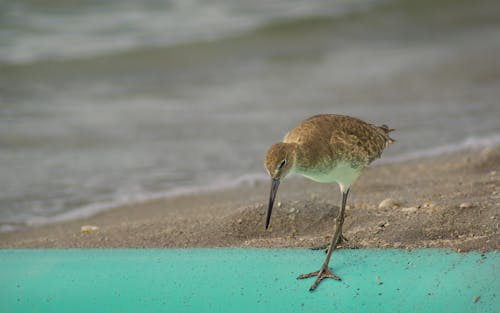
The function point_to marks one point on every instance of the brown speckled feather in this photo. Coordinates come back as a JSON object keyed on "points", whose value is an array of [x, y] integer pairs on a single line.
{"points": [[342, 138]]}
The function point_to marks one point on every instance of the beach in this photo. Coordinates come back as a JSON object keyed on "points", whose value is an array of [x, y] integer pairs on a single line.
{"points": [[110, 103], [446, 201]]}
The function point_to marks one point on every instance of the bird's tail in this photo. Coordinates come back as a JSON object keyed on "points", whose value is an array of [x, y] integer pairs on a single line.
{"points": [[386, 131]]}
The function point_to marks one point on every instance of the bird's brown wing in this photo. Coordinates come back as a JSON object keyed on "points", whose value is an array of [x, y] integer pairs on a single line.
{"points": [[347, 138], [356, 140]]}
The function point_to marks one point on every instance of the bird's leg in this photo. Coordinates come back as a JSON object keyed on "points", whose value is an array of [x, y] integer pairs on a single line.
{"points": [[343, 238], [324, 271]]}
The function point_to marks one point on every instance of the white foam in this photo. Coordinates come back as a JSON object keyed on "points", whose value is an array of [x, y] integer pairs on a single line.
{"points": [[468, 143]]}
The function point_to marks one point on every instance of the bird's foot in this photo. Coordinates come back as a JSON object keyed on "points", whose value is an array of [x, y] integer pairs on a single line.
{"points": [[321, 274]]}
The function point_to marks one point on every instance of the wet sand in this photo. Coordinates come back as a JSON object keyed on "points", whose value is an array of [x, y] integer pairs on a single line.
{"points": [[449, 201]]}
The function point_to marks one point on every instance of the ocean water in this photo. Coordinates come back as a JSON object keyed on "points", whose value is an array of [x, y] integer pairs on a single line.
{"points": [[109, 102]]}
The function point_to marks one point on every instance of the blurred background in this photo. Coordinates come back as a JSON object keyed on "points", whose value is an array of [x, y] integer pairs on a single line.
{"points": [[108, 102]]}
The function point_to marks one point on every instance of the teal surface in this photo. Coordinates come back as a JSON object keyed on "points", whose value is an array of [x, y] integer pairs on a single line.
{"points": [[246, 280]]}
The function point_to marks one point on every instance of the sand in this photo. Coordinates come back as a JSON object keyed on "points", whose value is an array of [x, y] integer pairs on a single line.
{"points": [[450, 201]]}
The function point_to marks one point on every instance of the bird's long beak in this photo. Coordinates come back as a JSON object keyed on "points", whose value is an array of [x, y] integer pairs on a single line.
{"points": [[274, 190]]}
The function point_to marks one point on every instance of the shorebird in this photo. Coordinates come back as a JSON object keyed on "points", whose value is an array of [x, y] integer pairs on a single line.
{"points": [[326, 148]]}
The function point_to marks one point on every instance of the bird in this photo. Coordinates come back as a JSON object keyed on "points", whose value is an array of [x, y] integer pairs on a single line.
{"points": [[326, 148]]}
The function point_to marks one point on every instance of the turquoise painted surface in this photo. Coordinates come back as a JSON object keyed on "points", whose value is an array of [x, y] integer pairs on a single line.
{"points": [[246, 280]]}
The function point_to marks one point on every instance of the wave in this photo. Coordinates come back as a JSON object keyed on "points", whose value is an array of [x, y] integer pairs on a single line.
{"points": [[31, 35], [104, 31], [95, 208]]}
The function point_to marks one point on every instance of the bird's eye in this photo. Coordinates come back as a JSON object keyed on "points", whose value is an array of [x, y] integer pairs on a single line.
{"points": [[283, 163]]}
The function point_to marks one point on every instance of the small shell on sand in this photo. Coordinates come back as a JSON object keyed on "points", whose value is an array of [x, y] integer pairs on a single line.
{"points": [[88, 228], [389, 203], [382, 224], [427, 205], [409, 210], [466, 205]]}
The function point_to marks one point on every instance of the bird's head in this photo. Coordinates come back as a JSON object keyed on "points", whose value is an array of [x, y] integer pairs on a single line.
{"points": [[278, 161]]}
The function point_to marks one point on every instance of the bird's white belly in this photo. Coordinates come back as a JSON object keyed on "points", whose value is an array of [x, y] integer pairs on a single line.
{"points": [[343, 174]]}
